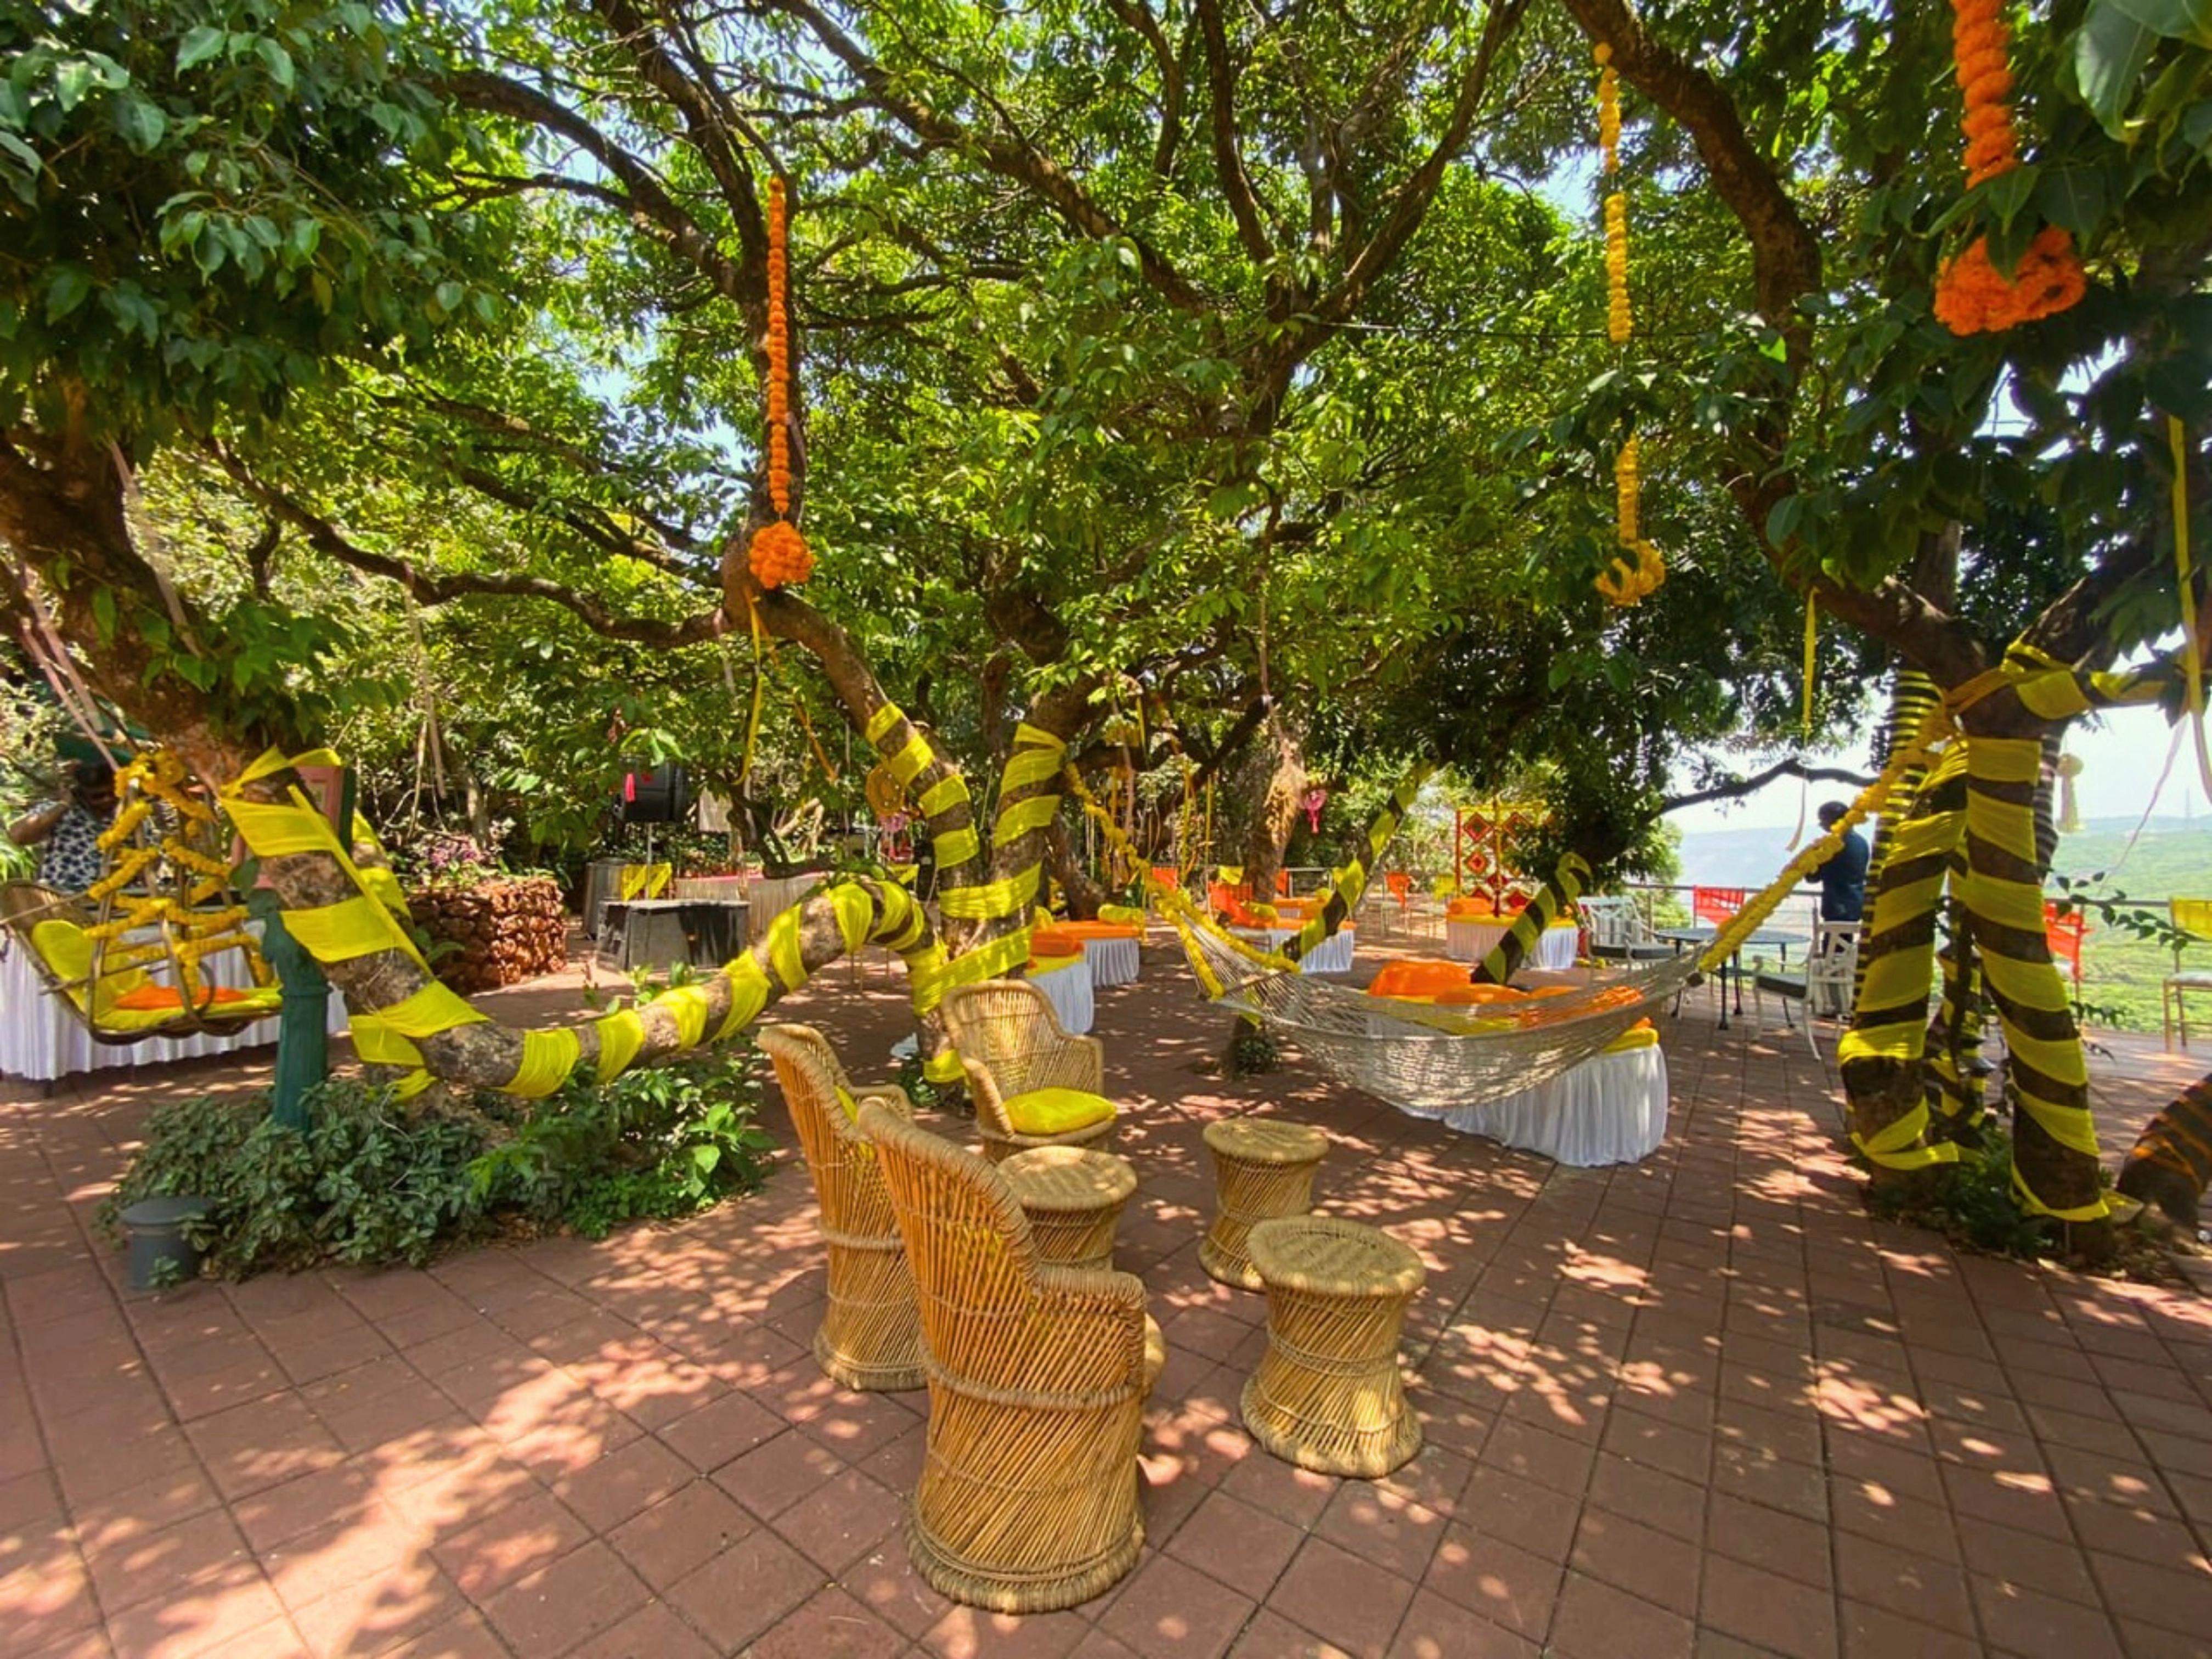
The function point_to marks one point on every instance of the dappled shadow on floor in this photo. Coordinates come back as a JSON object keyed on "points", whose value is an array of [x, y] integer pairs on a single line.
{"points": [[1700, 1400]]}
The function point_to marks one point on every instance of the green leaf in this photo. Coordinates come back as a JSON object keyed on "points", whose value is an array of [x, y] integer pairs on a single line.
{"points": [[199, 44], [72, 80], [141, 123], [276, 60], [2109, 55], [66, 289], [2177, 19], [22, 165], [2073, 195]]}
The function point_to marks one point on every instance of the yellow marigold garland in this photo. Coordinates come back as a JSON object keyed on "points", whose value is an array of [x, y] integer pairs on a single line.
{"points": [[778, 554], [1640, 569], [1972, 296]]}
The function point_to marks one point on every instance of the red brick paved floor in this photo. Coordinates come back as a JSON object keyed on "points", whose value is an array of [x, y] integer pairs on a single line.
{"points": [[1699, 1406]]}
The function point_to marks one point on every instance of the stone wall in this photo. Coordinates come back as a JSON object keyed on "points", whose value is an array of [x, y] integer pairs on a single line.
{"points": [[505, 931]]}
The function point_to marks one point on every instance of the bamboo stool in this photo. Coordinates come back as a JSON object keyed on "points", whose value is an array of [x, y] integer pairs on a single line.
{"points": [[1326, 1395], [1263, 1169], [1073, 1198]]}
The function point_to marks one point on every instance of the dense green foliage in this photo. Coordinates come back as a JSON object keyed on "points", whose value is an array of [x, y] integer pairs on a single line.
{"points": [[379, 1181]]}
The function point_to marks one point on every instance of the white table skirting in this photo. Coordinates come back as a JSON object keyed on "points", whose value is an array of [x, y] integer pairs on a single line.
{"points": [[1111, 961], [1612, 1109], [40, 1040], [1068, 990], [771, 896], [1331, 956], [1471, 941]]}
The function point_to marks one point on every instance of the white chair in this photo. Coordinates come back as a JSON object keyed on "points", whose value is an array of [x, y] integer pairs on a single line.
{"points": [[1619, 931], [1825, 985]]}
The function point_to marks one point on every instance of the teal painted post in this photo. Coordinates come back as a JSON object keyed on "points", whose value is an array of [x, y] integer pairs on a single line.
{"points": [[302, 1026]]}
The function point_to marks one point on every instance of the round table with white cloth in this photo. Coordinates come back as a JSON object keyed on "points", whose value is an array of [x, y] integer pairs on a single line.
{"points": [[1612, 1109], [1331, 956], [771, 896], [41, 1039], [1111, 962], [1068, 990], [1473, 939]]}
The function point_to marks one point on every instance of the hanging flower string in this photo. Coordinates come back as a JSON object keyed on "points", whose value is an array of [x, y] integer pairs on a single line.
{"points": [[1972, 296], [1640, 569], [778, 554]]}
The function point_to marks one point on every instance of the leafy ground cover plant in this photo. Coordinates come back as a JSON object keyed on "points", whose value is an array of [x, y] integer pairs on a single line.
{"points": [[374, 1181]]}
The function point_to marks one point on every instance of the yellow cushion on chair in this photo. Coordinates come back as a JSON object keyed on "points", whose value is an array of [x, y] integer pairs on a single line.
{"points": [[1057, 1111], [852, 1106]]}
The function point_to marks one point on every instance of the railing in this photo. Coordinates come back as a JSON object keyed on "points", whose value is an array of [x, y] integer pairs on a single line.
{"points": [[1667, 904]]}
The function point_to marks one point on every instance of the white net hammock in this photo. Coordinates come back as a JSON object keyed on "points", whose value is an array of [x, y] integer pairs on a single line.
{"points": [[1421, 1057], [1427, 1057]]}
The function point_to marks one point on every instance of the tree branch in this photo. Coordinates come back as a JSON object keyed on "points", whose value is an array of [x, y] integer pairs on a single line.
{"points": [[1221, 96], [429, 588], [744, 283], [1736, 789], [1785, 254], [1007, 157], [1137, 16]]}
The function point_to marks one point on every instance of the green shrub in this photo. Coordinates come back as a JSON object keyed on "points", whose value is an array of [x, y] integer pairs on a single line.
{"points": [[376, 1180], [1971, 1202], [653, 1144]]}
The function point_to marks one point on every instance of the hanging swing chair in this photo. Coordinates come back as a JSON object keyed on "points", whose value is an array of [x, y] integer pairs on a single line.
{"points": [[125, 960]]}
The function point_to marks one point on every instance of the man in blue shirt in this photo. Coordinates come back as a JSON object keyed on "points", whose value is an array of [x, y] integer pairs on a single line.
{"points": [[1842, 878]]}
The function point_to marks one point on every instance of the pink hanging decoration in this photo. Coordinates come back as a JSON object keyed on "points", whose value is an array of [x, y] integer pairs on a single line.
{"points": [[1315, 799]]}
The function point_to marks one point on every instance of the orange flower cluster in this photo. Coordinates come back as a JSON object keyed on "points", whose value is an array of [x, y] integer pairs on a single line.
{"points": [[1980, 44], [778, 554], [1972, 296]]}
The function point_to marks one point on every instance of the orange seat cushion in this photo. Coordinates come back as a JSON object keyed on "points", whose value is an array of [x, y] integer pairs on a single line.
{"points": [[1478, 996], [1417, 976], [147, 998]]}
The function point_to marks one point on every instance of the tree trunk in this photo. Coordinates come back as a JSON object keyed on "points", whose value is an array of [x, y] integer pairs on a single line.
{"points": [[2171, 1163], [1084, 895], [1274, 779], [2054, 1168], [1879, 1057], [1953, 1085], [1912, 698]]}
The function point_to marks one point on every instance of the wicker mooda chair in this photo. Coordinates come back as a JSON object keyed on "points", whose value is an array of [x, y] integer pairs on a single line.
{"points": [[871, 1336], [1012, 1046], [1037, 1379]]}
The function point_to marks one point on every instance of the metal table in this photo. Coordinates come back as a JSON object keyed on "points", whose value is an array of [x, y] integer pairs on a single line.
{"points": [[1703, 934], [657, 933]]}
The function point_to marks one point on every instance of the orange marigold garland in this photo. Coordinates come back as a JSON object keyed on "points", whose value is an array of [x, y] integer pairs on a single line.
{"points": [[778, 554], [1640, 568], [1972, 296]]}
